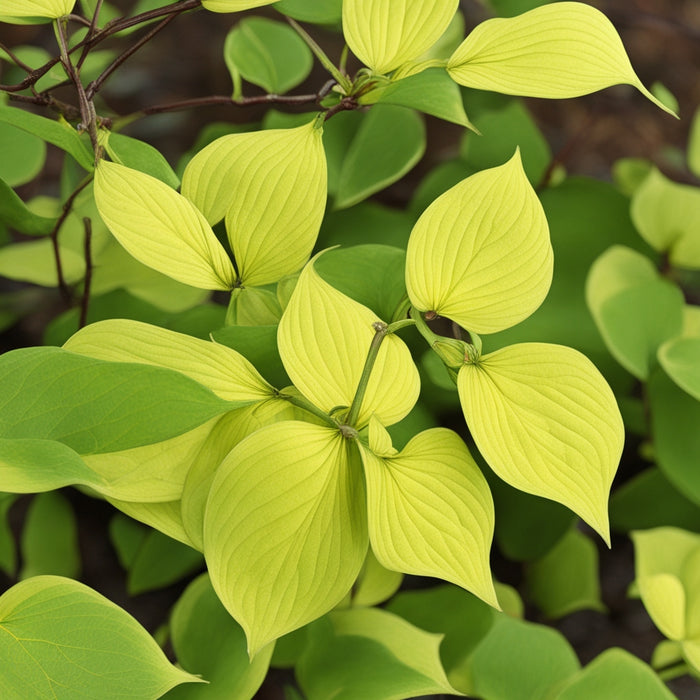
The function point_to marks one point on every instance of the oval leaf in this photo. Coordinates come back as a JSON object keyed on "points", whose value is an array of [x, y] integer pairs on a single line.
{"points": [[285, 529], [667, 215], [480, 254], [64, 640], [681, 360], [431, 513], [324, 338], [385, 34], [268, 54], [233, 5], [564, 49], [227, 373], [271, 185], [33, 11], [161, 228], [547, 422]]}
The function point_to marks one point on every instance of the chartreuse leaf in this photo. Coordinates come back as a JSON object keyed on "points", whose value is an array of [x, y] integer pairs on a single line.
{"points": [[229, 430], [223, 370], [49, 543], [268, 54], [370, 654], [161, 228], [252, 306], [271, 186], [141, 156], [63, 640], [385, 34], [667, 215], [35, 262], [164, 516], [519, 659], [286, 505], [14, 213], [634, 308], [96, 406], [58, 133], [680, 358], [33, 11], [566, 578], [375, 584], [490, 221], [612, 675], [233, 5], [430, 511], [324, 338], [210, 643], [546, 422], [561, 50], [675, 416], [399, 134]]}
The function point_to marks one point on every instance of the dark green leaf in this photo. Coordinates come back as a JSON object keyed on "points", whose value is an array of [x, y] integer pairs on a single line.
{"points": [[23, 155], [259, 345], [389, 142], [140, 155], [209, 642], [338, 134], [161, 561], [49, 543], [268, 54], [566, 578], [59, 134], [8, 553], [127, 536], [14, 213], [431, 91], [510, 8], [649, 500], [437, 181], [317, 12], [370, 274], [675, 417], [501, 132], [96, 406]]}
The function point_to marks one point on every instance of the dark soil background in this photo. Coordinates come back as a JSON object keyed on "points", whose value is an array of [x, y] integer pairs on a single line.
{"points": [[587, 135]]}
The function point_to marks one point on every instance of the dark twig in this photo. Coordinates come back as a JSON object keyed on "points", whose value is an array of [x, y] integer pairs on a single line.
{"points": [[94, 87], [67, 207], [85, 301], [70, 112], [15, 59], [345, 104]]}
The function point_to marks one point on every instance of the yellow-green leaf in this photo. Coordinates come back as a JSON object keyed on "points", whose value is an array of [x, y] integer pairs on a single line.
{"points": [[324, 338], [164, 516], [233, 5], [664, 598], [667, 215], [271, 186], [33, 11], [161, 228], [480, 254], [564, 49], [223, 370], [385, 34], [285, 531], [431, 513], [546, 421]]}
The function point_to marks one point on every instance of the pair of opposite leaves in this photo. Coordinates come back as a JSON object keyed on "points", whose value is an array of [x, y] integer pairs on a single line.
{"points": [[541, 415], [565, 49]]}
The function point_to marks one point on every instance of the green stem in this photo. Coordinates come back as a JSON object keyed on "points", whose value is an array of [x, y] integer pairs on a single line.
{"points": [[430, 337], [306, 405], [380, 332], [326, 62]]}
